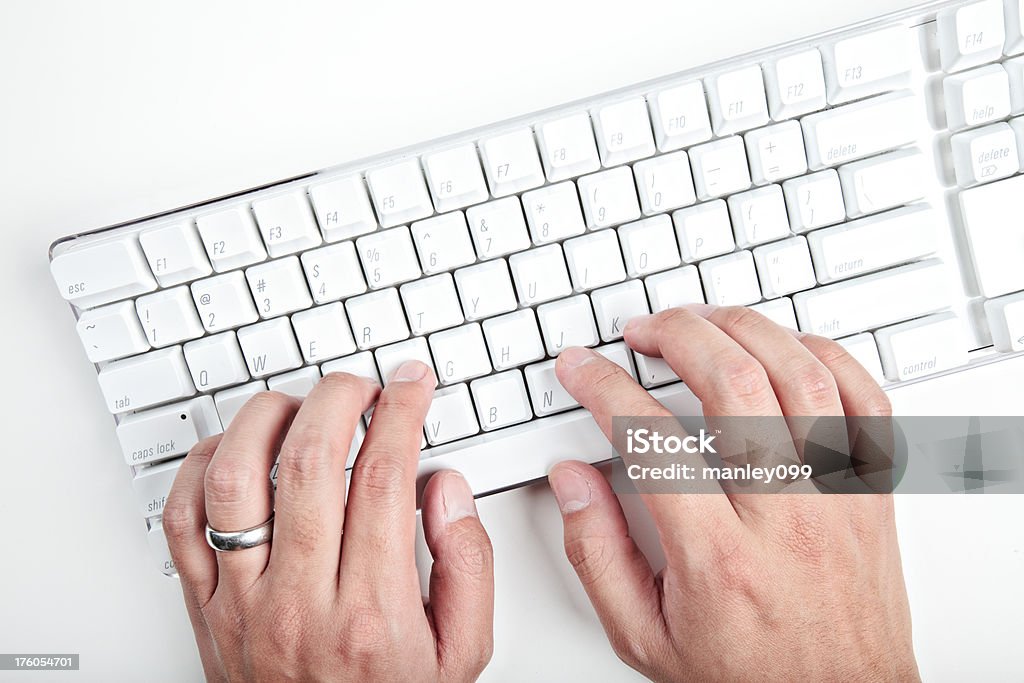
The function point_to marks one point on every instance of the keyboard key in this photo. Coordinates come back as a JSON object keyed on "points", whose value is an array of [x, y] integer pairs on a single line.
{"points": [[111, 332], [168, 316], [795, 85], [152, 484], [779, 311], [618, 354], [269, 347], [862, 129], [720, 168], [703, 231], [568, 322], [985, 154], [873, 243], [883, 182], [460, 353], [511, 163], [216, 362], [868, 64], [776, 152], [623, 132], [167, 432], [594, 260], [431, 304], [142, 381], [390, 357], [99, 273], [674, 288], [1013, 17], [977, 97], [1005, 317], [737, 100], [997, 268], [287, 223], [455, 178], [230, 401], [442, 243], [486, 289], [567, 147], [175, 253], [680, 116], [730, 280], [377, 318], [547, 394], [388, 257], [540, 275], [323, 333], [922, 347], [358, 364], [839, 309], [160, 551], [450, 416], [297, 383], [553, 213], [501, 400], [649, 246], [1015, 72], [608, 198], [784, 267], [758, 216], [343, 208], [224, 301], [615, 305], [333, 272], [231, 239], [653, 372], [399, 193], [814, 201], [665, 183], [971, 34], [864, 350], [279, 287], [513, 339], [498, 228]]}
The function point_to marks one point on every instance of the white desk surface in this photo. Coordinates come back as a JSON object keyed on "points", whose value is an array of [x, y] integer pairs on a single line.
{"points": [[114, 110]]}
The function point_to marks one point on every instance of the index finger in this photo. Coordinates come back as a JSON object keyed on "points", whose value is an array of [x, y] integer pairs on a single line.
{"points": [[607, 391]]}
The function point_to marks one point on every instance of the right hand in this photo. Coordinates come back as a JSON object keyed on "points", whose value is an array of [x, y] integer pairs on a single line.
{"points": [[770, 586]]}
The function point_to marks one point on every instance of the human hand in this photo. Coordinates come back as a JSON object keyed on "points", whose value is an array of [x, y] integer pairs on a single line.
{"points": [[776, 587], [314, 604]]}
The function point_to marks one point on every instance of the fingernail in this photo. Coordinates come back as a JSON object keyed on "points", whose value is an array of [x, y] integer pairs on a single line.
{"points": [[457, 498], [575, 356], [571, 490], [409, 371]]}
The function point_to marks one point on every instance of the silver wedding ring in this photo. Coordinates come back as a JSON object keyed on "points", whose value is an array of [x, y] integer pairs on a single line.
{"points": [[228, 541]]}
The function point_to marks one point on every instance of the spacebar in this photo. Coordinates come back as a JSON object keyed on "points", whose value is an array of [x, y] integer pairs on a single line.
{"points": [[516, 455]]}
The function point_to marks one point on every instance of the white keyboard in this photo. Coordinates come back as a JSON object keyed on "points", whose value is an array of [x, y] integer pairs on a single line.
{"points": [[863, 185]]}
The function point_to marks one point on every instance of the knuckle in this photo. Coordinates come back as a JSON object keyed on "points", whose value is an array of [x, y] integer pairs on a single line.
{"points": [[588, 555], [230, 483], [630, 648], [401, 400], [877, 404], [205, 448], [270, 402], [368, 636], [669, 321], [306, 460], [737, 319], [470, 550], [378, 473], [180, 520], [743, 378], [284, 626], [341, 383], [814, 385]]}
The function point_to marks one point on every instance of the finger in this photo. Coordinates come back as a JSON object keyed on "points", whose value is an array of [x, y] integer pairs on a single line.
{"points": [[613, 571], [380, 520], [238, 494], [309, 505], [607, 391], [720, 372], [868, 411], [184, 525], [461, 578]]}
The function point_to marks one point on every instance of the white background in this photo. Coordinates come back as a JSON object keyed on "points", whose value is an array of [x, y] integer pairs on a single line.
{"points": [[113, 110]]}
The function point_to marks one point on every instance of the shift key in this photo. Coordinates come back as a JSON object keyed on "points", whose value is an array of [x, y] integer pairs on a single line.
{"points": [[167, 432]]}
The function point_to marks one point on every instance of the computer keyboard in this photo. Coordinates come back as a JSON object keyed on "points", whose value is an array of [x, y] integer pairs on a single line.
{"points": [[864, 185]]}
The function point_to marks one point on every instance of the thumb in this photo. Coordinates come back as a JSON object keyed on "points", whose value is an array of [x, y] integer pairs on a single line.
{"points": [[462, 577], [613, 571]]}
